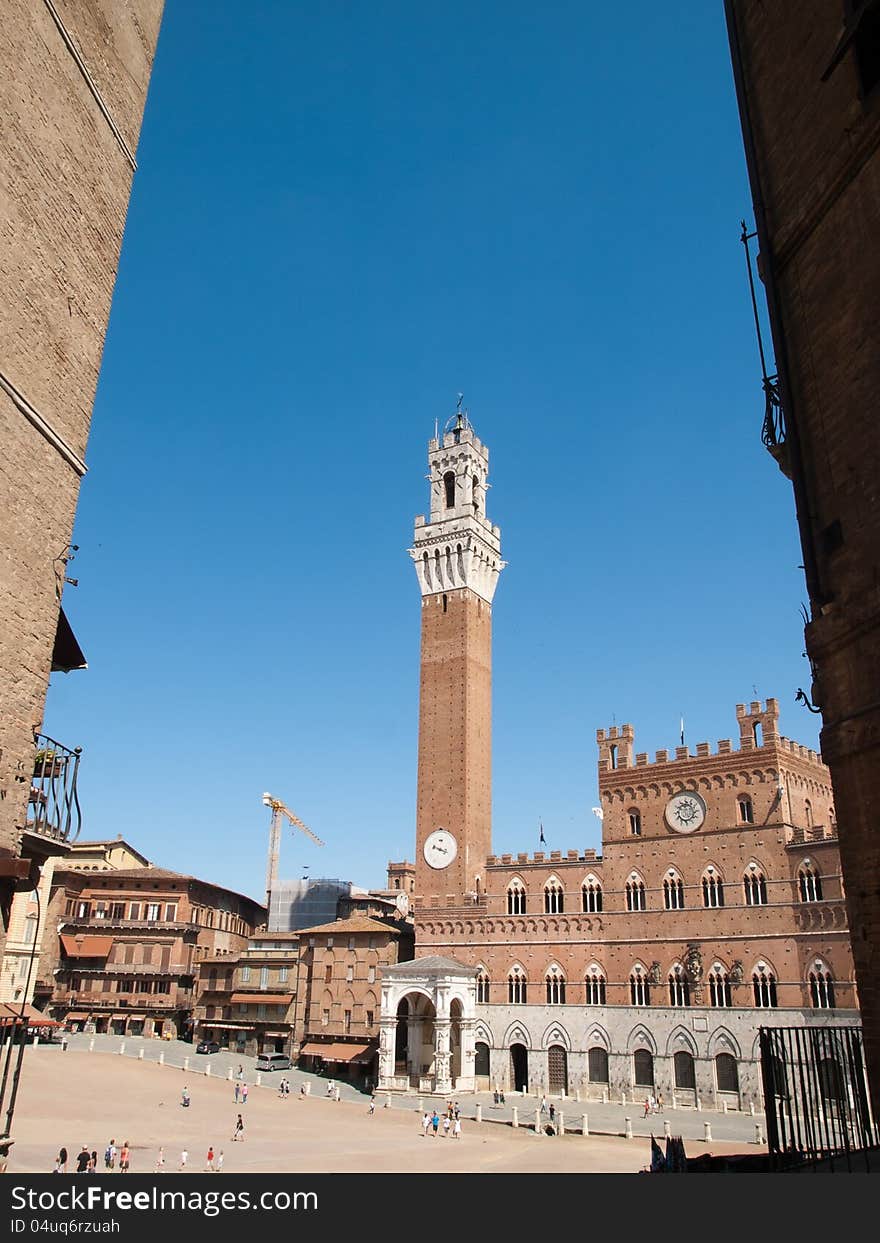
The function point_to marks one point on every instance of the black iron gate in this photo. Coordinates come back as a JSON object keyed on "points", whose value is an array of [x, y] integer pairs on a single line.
{"points": [[815, 1095]]}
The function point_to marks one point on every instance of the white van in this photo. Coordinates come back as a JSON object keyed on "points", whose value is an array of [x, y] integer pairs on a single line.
{"points": [[273, 1061]]}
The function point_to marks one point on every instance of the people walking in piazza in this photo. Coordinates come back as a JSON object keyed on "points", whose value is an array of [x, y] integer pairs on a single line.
{"points": [[184, 1157], [209, 1159], [435, 1122], [218, 1168], [237, 1090], [244, 1093], [456, 1130], [238, 1133], [543, 1104], [426, 1124], [160, 1161], [110, 1155], [447, 1123], [124, 1157]]}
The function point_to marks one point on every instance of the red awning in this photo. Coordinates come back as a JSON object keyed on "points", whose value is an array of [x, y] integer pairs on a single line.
{"points": [[86, 947], [35, 1018], [261, 999], [338, 1052]]}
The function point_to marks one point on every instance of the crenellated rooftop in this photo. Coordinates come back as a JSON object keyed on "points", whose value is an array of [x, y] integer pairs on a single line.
{"points": [[758, 732], [543, 858]]}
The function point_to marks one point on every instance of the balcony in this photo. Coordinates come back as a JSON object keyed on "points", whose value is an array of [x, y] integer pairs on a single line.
{"points": [[53, 806], [142, 925], [108, 1002]]}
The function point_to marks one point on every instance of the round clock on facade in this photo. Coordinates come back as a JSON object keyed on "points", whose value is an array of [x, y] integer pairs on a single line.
{"points": [[440, 848], [685, 812]]}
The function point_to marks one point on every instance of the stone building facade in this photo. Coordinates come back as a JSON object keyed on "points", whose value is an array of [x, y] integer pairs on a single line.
{"points": [[714, 906], [73, 81], [247, 1001], [313, 993], [807, 79], [129, 943]]}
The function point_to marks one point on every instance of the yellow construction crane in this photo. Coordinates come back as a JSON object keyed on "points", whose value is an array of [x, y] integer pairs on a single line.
{"points": [[279, 810]]}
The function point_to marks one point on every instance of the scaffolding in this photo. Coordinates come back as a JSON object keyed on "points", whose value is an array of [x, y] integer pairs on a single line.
{"points": [[295, 904]]}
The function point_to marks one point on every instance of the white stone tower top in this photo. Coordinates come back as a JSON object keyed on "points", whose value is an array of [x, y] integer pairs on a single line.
{"points": [[458, 546]]}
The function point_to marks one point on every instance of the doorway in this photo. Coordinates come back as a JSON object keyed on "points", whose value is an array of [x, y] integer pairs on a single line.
{"points": [[557, 1070], [519, 1067]]}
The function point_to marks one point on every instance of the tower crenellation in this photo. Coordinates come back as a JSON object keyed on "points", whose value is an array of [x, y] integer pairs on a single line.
{"points": [[457, 546]]}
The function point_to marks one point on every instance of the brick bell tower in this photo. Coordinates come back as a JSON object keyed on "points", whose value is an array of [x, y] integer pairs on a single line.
{"points": [[457, 555]]}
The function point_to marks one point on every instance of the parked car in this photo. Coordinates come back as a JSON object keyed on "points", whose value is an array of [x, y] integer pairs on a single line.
{"points": [[208, 1046], [273, 1061]]}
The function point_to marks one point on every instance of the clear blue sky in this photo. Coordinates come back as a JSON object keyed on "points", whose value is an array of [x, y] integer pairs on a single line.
{"points": [[343, 216]]}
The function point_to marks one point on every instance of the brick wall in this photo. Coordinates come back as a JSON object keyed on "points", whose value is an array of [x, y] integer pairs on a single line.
{"points": [[455, 738], [67, 179], [814, 163]]}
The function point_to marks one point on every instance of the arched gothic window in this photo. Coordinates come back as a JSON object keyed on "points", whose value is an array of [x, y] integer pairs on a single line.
{"points": [[635, 823], [719, 986], [554, 897], [821, 987], [516, 898], [764, 986], [809, 883], [482, 985], [635, 894], [591, 893], [754, 886], [808, 813], [595, 986], [713, 888], [639, 988], [555, 981], [673, 892], [679, 989], [516, 986]]}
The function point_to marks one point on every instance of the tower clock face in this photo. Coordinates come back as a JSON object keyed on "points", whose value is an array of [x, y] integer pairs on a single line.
{"points": [[440, 848], [685, 812]]}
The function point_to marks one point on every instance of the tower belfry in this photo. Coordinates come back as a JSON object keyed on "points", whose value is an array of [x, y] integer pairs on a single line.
{"points": [[457, 556]]}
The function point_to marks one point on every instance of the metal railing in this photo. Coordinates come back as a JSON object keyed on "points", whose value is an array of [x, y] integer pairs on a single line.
{"points": [[53, 804], [816, 1096]]}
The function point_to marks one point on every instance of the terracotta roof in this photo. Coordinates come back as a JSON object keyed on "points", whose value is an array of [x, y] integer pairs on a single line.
{"points": [[357, 923], [112, 875]]}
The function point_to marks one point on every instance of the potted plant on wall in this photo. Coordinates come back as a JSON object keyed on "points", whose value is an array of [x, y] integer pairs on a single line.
{"points": [[47, 763]]}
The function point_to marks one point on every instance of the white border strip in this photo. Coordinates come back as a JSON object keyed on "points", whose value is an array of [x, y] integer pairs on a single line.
{"points": [[45, 429], [90, 82]]}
